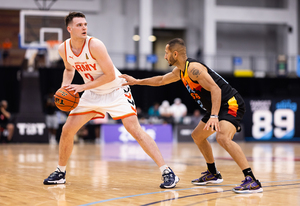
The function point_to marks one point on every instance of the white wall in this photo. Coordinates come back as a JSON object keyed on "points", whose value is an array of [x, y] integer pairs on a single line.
{"points": [[111, 25], [114, 22], [238, 14], [91, 5]]}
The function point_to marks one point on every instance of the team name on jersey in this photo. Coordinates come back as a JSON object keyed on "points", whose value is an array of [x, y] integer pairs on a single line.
{"points": [[84, 66], [195, 96]]}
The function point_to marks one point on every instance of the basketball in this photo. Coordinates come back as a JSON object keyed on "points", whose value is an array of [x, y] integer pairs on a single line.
{"points": [[66, 100]]}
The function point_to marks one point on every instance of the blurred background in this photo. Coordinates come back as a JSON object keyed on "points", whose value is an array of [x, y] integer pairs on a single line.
{"points": [[253, 44]]}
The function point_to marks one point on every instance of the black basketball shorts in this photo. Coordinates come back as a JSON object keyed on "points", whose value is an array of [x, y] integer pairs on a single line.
{"points": [[232, 111]]}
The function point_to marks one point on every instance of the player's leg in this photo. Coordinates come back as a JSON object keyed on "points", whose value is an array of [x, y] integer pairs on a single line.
{"points": [[224, 138], [200, 138], [149, 146], [120, 105], [70, 128], [72, 125], [146, 142]]}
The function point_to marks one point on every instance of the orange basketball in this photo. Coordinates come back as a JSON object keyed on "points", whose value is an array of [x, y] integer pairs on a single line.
{"points": [[66, 100]]}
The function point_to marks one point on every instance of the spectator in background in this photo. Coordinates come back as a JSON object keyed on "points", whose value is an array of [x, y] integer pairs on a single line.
{"points": [[97, 124], [178, 110], [153, 110], [153, 114], [142, 116], [6, 125], [6, 46], [165, 112], [61, 120], [81, 134], [196, 118], [51, 118]]}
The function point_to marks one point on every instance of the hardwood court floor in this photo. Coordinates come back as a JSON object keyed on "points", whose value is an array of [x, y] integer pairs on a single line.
{"points": [[122, 174]]}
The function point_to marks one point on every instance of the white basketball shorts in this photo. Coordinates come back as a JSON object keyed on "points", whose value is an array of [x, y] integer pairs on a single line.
{"points": [[119, 104]]}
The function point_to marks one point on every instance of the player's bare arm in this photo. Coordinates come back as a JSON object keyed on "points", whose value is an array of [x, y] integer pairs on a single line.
{"points": [[198, 72], [69, 70], [99, 52], [153, 81]]}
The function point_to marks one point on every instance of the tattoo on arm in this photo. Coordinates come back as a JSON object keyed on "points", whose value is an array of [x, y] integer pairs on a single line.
{"points": [[196, 72]]}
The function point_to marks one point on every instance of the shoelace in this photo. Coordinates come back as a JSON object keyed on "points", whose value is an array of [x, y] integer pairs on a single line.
{"points": [[54, 173], [165, 177], [244, 181], [205, 173]]}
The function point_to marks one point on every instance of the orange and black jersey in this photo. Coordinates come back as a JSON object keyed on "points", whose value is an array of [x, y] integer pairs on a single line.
{"points": [[199, 94]]}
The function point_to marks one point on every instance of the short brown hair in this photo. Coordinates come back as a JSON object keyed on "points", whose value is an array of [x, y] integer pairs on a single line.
{"points": [[177, 41], [71, 15]]}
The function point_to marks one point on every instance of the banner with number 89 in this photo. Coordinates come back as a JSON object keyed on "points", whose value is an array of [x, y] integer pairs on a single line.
{"points": [[271, 120]]}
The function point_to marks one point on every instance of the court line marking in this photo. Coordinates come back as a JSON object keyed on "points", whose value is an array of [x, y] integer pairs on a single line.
{"points": [[187, 196], [192, 188], [238, 195]]}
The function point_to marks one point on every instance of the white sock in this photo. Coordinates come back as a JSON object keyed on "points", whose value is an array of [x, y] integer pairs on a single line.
{"points": [[162, 168], [61, 168]]}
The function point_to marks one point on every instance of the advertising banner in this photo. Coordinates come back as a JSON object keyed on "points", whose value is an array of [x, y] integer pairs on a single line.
{"points": [[118, 133], [273, 119], [184, 134]]}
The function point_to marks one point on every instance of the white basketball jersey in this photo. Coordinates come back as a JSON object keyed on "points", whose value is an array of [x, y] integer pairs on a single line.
{"points": [[89, 69]]}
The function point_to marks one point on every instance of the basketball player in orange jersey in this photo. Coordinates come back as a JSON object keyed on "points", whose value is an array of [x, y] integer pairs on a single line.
{"points": [[225, 109], [103, 92]]}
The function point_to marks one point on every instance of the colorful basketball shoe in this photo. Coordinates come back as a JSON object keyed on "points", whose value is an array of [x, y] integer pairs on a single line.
{"points": [[169, 178], [249, 185], [208, 178], [57, 177]]}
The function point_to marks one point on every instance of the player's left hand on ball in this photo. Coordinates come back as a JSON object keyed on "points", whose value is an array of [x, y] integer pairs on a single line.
{"points": [[74, 87]]}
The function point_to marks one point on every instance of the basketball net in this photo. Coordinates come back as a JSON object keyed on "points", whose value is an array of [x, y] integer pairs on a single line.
{"points": [[52, 50]]}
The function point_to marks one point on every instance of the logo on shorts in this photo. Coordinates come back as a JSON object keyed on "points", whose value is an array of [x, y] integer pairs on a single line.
{"points": [[126, 91], [129, 96]]}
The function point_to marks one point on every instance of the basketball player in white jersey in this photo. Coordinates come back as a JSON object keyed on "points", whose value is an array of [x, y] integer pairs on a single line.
{"points": [[103, 92]]}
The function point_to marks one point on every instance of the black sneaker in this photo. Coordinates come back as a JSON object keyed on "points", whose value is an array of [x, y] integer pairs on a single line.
{"points": [[208, 178], [169, 178], [249, 185], [57, 177]]}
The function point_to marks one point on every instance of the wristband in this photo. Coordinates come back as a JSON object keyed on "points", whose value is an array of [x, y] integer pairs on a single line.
{"points": [[214, 116]]}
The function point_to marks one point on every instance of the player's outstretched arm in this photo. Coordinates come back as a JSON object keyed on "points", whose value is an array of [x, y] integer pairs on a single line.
{"points": [[153, 81]]}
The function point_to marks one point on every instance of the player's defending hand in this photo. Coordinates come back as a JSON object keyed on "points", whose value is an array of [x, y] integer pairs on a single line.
{"points": [[130, 80], [213, 124]]}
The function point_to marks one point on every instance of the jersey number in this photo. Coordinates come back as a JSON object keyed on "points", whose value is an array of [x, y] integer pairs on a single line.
{"points": [[89, 76]]}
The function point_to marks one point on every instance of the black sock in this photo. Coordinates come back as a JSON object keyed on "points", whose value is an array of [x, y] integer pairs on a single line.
{"points": [[248, 172], [212, 168]]}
